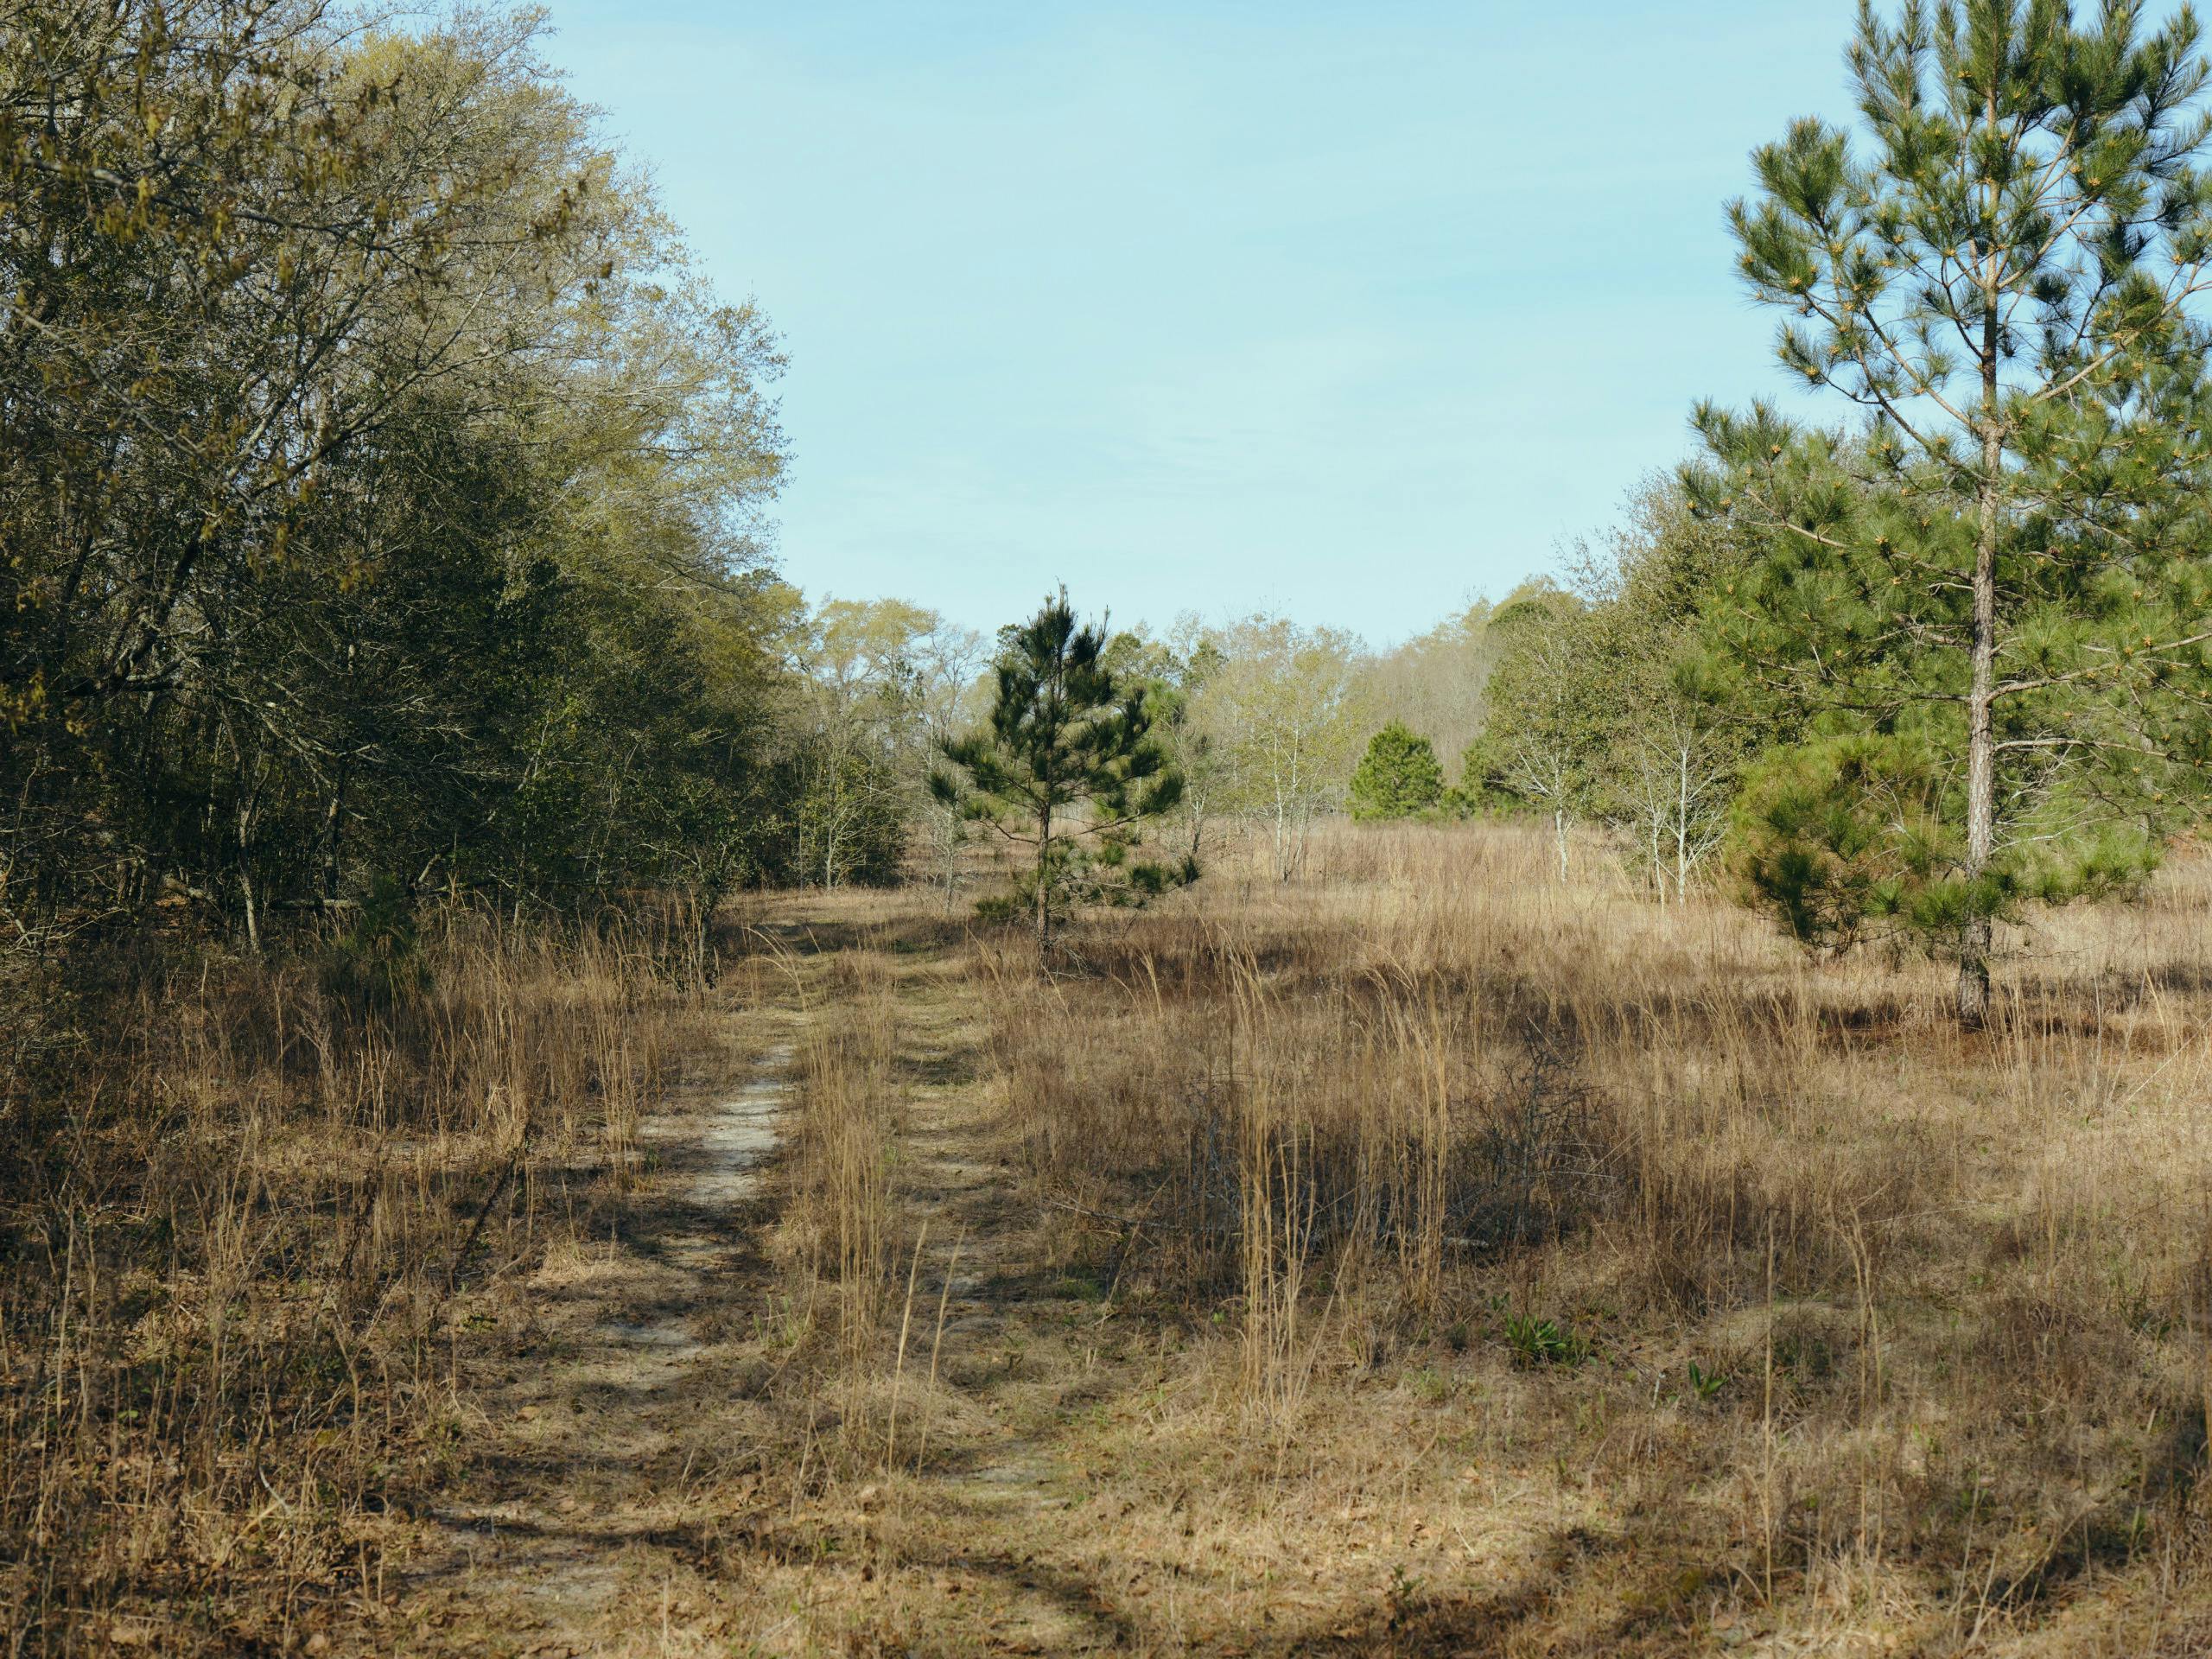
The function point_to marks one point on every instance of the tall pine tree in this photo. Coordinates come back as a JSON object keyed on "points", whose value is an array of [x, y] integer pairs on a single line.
{"points": [[1996, 572]]}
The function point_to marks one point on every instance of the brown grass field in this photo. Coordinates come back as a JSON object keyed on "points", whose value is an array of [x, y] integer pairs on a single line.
{"points": [[1418, 1257]]}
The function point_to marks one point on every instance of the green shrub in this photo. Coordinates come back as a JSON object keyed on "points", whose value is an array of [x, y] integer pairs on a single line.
{"points": [[1398, 777], [1542, 1342]]}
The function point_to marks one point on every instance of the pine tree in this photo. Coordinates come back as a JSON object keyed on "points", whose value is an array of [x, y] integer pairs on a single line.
{"points": [[1997, 573], [1067, 767], [1398, 777]]}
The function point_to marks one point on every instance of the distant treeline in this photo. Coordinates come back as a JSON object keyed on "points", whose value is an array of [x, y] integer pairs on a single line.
{"points": [[1952, 655]]}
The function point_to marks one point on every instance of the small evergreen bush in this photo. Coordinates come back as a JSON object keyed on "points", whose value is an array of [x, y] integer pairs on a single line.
{"points": [[1398, 777]]}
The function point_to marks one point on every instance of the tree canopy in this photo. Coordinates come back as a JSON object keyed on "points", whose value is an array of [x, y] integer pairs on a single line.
{"points": [[383, 489]]}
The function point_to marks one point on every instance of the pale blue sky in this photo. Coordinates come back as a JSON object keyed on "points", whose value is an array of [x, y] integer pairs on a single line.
{"points": [[1349, 310]]}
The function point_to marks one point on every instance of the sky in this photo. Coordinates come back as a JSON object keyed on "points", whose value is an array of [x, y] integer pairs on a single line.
{"points": [[1353, 312]]}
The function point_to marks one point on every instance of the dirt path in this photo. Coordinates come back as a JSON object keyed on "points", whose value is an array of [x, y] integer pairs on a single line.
{"points": [[1093, 1482], [618, 1393], [626, 1508], [983, 1534], [681, 1464]]}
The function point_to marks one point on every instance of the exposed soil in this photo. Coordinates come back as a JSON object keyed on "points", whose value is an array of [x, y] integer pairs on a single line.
{"points": [[620, 1389]]}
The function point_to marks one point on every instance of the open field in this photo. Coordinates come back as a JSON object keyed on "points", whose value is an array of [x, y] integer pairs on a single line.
{"points": [[1421, 1256], [1245, 945]]}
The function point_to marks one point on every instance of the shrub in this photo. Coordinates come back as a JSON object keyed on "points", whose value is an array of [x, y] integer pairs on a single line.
{"points": [[1398, 777]]}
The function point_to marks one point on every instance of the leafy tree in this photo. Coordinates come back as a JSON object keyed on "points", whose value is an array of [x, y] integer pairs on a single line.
{"points": [[379, 494], [1999, 572], [1545, 731], [1667, 760], [1398, 777], [948, 662], [1181, 672], [1279, 712], [860, 712], [1067, 767]]}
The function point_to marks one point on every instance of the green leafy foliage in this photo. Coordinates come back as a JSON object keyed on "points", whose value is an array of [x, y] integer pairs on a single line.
{"points": [[1537, 1341], [1542, 747], [335, 549]]}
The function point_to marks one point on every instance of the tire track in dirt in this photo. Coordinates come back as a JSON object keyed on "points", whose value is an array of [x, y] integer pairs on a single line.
{"points": [[982, 1534], [622, 1397]]}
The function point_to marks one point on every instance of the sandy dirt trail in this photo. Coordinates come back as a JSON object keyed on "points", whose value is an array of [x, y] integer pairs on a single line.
{"points": [[613, 1400], [639, 1403]]}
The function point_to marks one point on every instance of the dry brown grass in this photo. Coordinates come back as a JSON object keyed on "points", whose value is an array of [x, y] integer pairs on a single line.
{"points": [[1431, 1114], [249, 1213], [842, 1217], [1423, 1257]]}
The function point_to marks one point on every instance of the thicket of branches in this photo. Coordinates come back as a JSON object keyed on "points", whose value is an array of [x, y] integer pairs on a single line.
{"points": [[380, 496]]}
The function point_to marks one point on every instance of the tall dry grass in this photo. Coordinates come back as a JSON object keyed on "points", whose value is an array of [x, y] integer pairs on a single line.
{"points": [[245, 1208], [1948, 1296], [842, 1224]]}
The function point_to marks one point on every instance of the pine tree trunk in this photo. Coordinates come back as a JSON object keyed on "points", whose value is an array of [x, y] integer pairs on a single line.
{"points": [[1982, 760], [1044, 884], [1974, 934]]}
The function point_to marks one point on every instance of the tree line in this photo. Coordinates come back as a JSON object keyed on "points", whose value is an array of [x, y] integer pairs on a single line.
{"points": [[385, 490], [385, 504], [382, 486], [1945, 657], [382, 500]]}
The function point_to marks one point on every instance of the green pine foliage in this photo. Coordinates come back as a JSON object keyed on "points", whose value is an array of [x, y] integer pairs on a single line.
{"points": [[1994, 572], [1397, 777], [1856, 838], [1067, 769]]}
